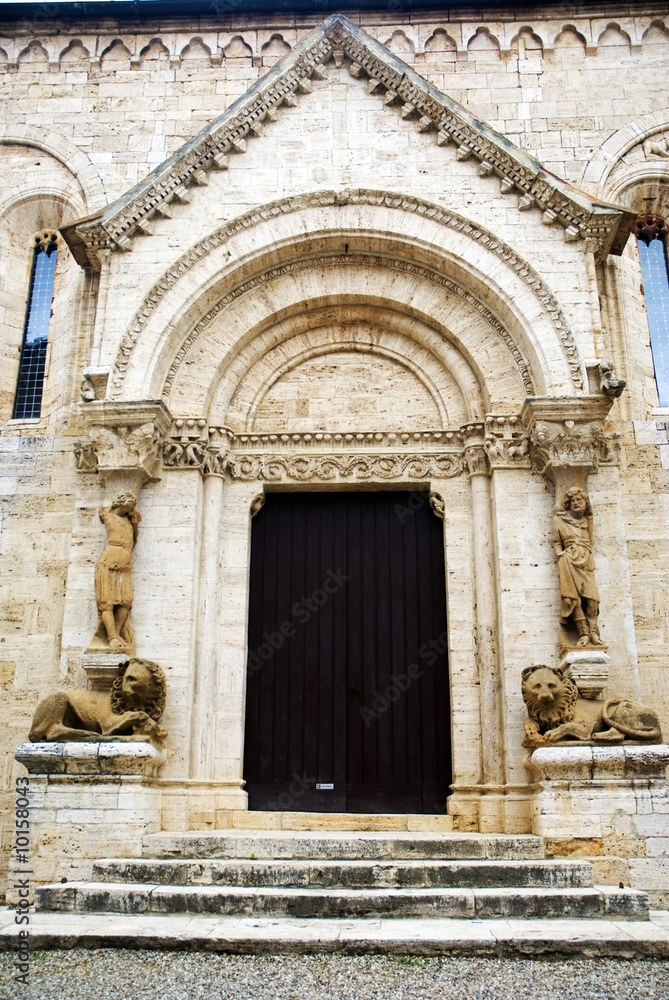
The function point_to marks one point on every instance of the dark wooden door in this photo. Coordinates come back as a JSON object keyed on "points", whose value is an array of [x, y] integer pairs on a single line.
{"points": [[347, 681]]}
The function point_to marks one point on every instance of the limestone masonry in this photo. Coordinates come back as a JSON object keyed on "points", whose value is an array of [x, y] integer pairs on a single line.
{"points": [[298, 252]]}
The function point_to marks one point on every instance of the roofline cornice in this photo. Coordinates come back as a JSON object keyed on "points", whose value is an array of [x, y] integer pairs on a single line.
{"points": [[605, 227]]}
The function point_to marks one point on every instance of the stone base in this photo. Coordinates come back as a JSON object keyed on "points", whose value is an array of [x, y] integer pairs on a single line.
{"points": [[101, 668], [589, 668], [87, 801], [610, 804], [489, 808]]}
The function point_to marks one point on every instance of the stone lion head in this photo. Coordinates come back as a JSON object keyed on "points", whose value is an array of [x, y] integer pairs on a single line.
{"points": [[151, 683], [549, 694]]}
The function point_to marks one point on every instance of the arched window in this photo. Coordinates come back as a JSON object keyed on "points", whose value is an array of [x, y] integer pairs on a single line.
{"points": [[651, 234], [28, 398]]}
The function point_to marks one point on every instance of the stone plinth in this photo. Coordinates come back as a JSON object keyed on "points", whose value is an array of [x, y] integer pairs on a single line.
{"points": [[101, 668], [88, 801], [610, 804], [589, 670]]}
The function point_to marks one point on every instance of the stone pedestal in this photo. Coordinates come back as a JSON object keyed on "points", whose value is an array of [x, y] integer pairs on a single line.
{"points": [[101, 668], [610, 804], [589, 669], [88, 801]]}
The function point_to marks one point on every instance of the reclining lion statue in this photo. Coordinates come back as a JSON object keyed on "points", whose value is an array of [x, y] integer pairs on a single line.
{"points": [[129, 711], [557, 714]]}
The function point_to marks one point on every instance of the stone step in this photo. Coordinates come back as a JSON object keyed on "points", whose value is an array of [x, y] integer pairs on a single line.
{"points": [[350, 845], [346, 875], [132, 898], [246, 819]]}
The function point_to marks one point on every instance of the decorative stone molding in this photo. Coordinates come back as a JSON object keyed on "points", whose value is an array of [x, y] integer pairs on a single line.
{"points": [[197, 446], [507, 443], [273, 456], [124, 444], [588, 763], [415, 98], [567, 438], [333, 468], [323, 199]]}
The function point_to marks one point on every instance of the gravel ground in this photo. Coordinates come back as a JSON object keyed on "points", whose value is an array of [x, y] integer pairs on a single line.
{"points": [[110, 974]]}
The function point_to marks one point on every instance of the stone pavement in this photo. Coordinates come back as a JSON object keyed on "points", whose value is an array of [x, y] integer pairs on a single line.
{"points": [[244, 935]]}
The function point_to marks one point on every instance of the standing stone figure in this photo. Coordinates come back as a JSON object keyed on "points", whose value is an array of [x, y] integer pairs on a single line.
{"points": [[113, 583], [572, 541]]}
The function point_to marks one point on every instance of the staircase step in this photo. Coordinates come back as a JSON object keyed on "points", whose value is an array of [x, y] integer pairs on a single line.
{"points": [[342, 845], [94, 897], [346, 875]]}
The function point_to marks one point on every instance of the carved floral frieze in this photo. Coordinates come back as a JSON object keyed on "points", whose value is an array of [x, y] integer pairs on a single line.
{"points": [[328, 468]]}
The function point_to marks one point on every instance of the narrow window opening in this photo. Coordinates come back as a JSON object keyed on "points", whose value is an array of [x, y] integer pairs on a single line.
{"points": [[651, 234], [28, 398]]}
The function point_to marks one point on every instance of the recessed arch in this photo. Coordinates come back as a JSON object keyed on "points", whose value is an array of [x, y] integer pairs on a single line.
{"points": [[409, 237]]}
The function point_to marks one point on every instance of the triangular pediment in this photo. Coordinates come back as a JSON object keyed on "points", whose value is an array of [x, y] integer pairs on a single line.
{"points": [[406, 93]]}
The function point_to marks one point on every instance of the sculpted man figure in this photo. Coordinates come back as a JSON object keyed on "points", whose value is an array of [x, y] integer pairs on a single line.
{"points": [[572, 541], [113, 583]]}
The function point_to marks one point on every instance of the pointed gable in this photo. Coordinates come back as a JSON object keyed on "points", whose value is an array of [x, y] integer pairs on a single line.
{"points": [[606, 226]]}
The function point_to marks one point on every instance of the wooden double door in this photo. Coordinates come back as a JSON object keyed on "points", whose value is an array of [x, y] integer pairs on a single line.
{"points": [[347, 705]]}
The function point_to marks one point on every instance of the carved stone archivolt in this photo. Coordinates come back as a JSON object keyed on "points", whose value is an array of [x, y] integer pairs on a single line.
{"points": [[323, 199]]}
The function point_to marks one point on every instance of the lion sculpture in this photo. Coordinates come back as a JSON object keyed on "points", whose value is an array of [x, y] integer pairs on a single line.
{"points": [[129, 711], [558, 714]]}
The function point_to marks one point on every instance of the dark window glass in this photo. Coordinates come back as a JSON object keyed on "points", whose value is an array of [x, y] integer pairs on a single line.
{"points": [[652, 241], [28, 399]]}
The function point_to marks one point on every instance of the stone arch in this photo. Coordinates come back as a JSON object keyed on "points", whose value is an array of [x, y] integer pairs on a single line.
{"points": [[70, 156], [274, 50], [154, 51], [34, 54], [441, 44], [570, 42], [75, 54], [527, 43], [656, 34], [614, 38], [458, 267], [115, 56], [401, 44], [237, 48], [609, 159], [483, 43], [196, 51], [384, 368]]}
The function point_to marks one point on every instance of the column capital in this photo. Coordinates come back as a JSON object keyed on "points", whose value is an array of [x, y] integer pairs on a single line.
{"points": [[568, 440], [474, 449], [124, 442]]}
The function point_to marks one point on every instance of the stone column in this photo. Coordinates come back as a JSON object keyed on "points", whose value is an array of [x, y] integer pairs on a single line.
{"points": [[492, 761]]}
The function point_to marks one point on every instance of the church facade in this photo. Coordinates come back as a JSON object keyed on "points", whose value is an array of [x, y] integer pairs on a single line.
{"points": [[315, 321]]}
